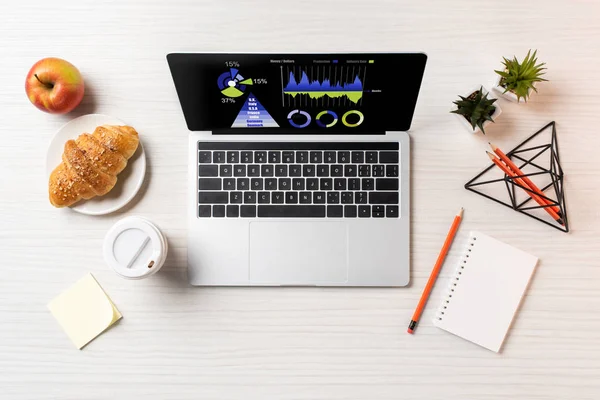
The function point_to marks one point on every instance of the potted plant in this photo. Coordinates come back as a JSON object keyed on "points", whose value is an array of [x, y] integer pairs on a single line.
{"points": [[476, 110], [517, 79]]}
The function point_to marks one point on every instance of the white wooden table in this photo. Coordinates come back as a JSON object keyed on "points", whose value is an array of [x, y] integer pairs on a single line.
{"points": [[179, 342]]}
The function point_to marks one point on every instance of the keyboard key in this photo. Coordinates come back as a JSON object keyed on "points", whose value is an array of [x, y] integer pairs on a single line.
{"points": [[378, 211], [295, 170], [333, 197], [364, 211], [347, 198], [277, 197], [335, 211], [233, 211], [291, 211], [274, 157], [308, 170], [337, 170], [204, 211], [358, 157], [264, 198], [387, 184], [319, 197], [388, 157], [212, 197], [360, 198], [233, 157], [383, 198], [260, 157], [239, 170], [391, 170], [368, 183], [208, 170], [271, 184], [243, 184], [281, 170], [253, 170], [249, 197], [350, 170], [229, 184], [322, 170], [266, 170], [248, 211], [235, 197], [329, 157], [326, 184], [226, 170], [343, 157], [287, 157], [339, 184], [364, 170], [350, 211], [204, 157], [298, 184], [218, 157], [256, 184], [378, 171], [312, 184], [371, 157], [285, 184], [209, 184], [218, 210], [291, 197], [391, 211], [305, 198], [316, 157], [353, 184], [302, 157], [247, 157]]}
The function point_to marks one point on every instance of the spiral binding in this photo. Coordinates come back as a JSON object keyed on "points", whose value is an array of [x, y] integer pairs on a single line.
{"points": [[463, 263]]}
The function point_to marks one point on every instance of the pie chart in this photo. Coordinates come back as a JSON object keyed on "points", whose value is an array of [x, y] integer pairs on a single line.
{"points": [[232, 84]]}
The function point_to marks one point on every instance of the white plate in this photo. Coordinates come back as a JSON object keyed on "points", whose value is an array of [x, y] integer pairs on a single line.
{"points": [[129, 180]]}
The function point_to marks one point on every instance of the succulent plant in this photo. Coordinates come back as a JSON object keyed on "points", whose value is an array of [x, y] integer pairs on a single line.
{"points": [[476, 108], [519, 78]]}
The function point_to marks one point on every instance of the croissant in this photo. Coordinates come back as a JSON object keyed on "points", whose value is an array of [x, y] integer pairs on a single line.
{"points": [[91, 163]]}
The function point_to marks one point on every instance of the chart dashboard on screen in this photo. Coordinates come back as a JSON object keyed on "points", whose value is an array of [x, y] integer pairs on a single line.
{"points": [[298, 93]]}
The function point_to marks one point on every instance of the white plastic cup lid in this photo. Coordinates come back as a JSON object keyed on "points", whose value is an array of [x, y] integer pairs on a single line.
{"points": [[135, 248]]}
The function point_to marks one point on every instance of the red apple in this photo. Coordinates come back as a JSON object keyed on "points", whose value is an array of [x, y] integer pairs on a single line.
{"points": [[54, 85]]}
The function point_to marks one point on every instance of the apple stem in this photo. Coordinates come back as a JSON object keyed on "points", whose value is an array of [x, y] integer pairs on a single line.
{"points": [[48, 85]]}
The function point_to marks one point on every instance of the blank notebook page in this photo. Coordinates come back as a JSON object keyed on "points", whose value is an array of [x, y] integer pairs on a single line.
{"points": [[485, 291]]}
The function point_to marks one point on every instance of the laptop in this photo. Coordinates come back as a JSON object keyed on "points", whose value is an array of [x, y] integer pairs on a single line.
{"points": [[299, 167]]}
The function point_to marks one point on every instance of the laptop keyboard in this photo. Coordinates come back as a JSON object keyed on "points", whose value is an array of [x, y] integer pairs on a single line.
{"points": [[298, 180]]}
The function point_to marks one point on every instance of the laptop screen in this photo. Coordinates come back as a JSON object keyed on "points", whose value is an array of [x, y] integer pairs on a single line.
{"points": [[361, 93]]}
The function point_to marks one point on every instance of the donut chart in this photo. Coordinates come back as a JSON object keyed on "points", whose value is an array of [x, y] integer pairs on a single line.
{"points": [[299, 115], [232, 84], [326, 112], [361, 118]]}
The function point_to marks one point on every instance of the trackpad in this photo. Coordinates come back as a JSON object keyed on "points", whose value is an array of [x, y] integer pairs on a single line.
{"points": [[298, 253]]}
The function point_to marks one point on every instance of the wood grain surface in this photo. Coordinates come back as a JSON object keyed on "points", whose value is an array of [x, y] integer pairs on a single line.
{"points": [[179, 342]]}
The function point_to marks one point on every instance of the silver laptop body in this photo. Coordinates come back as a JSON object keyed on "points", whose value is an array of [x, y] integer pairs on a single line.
{"points": [[346, 231]]}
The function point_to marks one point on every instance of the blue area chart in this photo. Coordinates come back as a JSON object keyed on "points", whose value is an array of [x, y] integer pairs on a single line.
{"points": [[314, 89], [254, 115]]}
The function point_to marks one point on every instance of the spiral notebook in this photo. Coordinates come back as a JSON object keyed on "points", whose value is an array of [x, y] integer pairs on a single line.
{"points": [[485, 291]]}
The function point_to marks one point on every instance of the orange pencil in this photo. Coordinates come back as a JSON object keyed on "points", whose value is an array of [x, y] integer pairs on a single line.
{"points": [[526, 179], [520, 181], [436, 271]]}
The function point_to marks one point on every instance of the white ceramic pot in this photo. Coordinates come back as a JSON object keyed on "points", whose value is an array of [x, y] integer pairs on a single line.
{"points": [[466, 123], [508, 95]]}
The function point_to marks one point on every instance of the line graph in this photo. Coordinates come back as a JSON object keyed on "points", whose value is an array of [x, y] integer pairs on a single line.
{"points": [[322, 85]]}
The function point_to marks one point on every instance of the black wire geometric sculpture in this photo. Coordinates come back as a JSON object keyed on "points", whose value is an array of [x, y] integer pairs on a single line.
{"points": [[531, 164]]}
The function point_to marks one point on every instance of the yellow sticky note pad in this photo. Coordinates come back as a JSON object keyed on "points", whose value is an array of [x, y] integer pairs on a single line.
{"points": [[84, 311]]}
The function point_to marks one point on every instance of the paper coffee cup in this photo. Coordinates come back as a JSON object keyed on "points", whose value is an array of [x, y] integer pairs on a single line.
{"points": [[135, 248]]}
